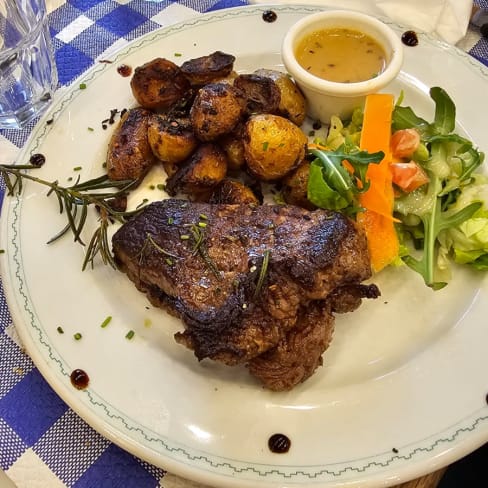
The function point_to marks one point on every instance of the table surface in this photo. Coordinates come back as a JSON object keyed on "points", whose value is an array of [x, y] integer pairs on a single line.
{"points": [[84, 30]]}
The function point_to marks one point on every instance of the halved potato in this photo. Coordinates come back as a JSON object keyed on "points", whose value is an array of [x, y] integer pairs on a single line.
{"points": [[294, 186], [171, 139], [159, 84], [216, 110], [233, 191], [292, 102], [129, 155], [273, 146], [204, 170], [208, 69]]}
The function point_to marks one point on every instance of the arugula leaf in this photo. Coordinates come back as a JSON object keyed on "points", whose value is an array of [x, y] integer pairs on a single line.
{"points": [[331, 185], [320, 193], [445, 111], [435, 215], [405, 118], [444, 116], [434, 222]]}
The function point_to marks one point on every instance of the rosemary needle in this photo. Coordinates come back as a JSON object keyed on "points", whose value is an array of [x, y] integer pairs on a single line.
{"points": [[74, 201]]}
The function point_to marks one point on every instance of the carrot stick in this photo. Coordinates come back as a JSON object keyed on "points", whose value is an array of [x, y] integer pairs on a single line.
{"points": [[377, 219]]}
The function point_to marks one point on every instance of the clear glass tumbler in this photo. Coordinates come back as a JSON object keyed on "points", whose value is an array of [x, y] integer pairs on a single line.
{"points": [[28, 75]]}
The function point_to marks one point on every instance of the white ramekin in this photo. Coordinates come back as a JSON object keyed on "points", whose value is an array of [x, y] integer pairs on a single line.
{"points": [[326, 98]]}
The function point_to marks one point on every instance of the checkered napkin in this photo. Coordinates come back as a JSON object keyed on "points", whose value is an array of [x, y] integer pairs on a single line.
{"points": [[42, 442]]}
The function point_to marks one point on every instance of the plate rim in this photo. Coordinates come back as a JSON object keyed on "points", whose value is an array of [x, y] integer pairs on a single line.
{"points": [[62, 100]]}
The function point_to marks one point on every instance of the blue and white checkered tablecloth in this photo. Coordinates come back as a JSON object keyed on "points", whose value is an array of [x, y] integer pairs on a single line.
{"points": [[42, 442]]}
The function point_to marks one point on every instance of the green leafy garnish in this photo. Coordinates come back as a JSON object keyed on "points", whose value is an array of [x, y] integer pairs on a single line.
{"points": [[331, 185], [436, 216]]}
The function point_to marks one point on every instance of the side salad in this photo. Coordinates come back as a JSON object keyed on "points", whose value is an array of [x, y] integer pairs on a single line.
{"points": [[412, 184]]}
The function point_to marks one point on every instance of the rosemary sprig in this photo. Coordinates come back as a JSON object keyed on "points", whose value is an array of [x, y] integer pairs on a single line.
{"points": [[150, 241], [197, 232], [74, 202], [262, 273]]}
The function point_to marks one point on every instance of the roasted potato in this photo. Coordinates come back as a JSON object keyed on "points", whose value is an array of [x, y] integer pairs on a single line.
{"points": [[159, 84], [206, 168], [233, 145], [129, 155], [216, 110], [294, 187], [292, 102], [273, 146], [208, 69], [171, 139], [232, 191], [170, 168], [261, 93]]}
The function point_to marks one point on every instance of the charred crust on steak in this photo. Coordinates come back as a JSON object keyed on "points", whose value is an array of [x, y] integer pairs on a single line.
{"points": [[317, 263]]}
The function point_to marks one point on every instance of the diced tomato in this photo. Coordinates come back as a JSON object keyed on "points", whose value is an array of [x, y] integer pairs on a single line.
{"points": [[404, 143], [408, 176]]}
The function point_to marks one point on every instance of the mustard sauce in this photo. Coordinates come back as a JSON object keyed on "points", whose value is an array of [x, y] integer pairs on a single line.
{"points": [[341, 55]]}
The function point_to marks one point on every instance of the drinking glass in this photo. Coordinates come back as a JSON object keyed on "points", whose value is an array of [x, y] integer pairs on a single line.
{"points": [[28, 75]]}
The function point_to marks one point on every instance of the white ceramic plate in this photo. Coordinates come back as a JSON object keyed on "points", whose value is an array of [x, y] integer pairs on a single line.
{"points": [[403, 390]]}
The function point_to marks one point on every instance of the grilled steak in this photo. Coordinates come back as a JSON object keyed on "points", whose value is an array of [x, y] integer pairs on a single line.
{"points": [[253, 285]]}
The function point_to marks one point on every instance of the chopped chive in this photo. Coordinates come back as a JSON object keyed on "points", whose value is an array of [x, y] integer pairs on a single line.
{"points": [[77, 336], [203, 217], [2, 251], [169, 262], [82, 86], [152, 187], [265, 145], [160, 186], [202, 225], [178, 55], [106, 322], [184, 237], [70, 178], [170, 220], [91, 129], [60, 330], [77, 168], [144, 201], [129, 335]]}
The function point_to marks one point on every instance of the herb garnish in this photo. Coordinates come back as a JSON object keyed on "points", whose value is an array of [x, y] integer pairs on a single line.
{"points": [[150, 241], [262, 273], [106, 322], [74, 202]]}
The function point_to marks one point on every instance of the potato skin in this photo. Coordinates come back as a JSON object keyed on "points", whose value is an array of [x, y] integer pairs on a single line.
{"points": [[233, 146], [261, 94], [295, 185], [206, 168], [129, 155], [216, 110], [232, 192], [208, 69], [292, 102], [273, 146], [159, 84], [171, 139]]}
